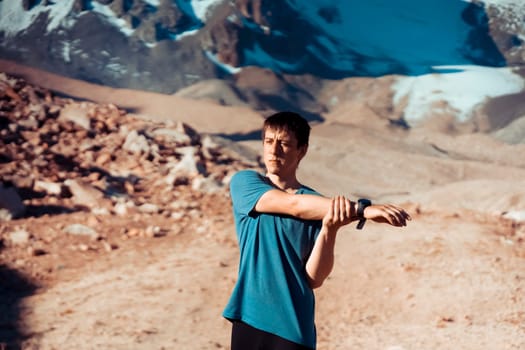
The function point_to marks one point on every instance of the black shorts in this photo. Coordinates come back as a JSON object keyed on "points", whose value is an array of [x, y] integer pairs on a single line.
{"points": [[245, 337]]}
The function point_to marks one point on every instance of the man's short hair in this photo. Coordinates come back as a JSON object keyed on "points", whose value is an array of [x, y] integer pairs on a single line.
{"points": [[290, 122]]}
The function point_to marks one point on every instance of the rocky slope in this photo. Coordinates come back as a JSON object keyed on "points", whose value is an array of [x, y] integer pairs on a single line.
{"points": [[65, 157], [79, 153]]}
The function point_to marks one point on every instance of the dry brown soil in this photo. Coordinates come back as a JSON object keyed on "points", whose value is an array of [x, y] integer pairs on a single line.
{"points": [[454, 278]]}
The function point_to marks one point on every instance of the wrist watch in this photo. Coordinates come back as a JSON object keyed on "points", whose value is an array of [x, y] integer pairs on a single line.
{"points": [[362, 203]]}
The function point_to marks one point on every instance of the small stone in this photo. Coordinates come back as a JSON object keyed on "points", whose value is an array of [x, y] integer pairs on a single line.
{"points": [[75, 114], [154, 231], [85, 194], [19, 237], [149, 208], [36, 251], [82, 230], [108, 247], [133, 232], [129, 187], [120, 209], [206, 184], [95, 176], [177, 215], [136, 143], [103, 158], [83, 247], [48, 187]]}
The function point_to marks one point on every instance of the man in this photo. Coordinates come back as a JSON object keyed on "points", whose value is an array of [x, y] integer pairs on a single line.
{"points": [[286, 233]]}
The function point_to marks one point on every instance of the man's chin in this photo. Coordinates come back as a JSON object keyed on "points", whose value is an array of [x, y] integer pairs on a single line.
{"points": [[274, 170]]}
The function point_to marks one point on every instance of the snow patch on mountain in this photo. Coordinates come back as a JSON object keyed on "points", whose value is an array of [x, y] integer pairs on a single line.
{"points": [[463, 90], [14, 19], [201, 8], [153, 3], [223, 66]]}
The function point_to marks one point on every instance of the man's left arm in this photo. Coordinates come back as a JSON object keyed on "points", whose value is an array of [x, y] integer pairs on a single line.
{"points": [[321, 260]]}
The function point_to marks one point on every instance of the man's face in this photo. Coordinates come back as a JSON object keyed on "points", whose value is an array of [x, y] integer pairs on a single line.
{"points": [[281, 153]]}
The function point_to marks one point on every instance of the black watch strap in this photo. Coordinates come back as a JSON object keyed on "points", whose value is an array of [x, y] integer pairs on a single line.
{"points": [[362, 203]]}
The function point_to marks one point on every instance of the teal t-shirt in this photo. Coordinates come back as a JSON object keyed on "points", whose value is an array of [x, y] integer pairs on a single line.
{"points": [[272, 292]]}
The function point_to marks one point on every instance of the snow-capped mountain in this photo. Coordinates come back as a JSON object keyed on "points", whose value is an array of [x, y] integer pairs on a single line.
{"points": [[166, 45]]}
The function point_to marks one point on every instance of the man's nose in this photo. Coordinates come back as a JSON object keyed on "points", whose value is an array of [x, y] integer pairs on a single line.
{"points": [[274, 147]]}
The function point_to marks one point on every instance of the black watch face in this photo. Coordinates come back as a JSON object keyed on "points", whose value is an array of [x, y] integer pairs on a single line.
{"points": [[364, 202]]}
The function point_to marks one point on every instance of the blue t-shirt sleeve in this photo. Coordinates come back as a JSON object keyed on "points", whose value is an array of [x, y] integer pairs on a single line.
{"points": [[246, 188]]}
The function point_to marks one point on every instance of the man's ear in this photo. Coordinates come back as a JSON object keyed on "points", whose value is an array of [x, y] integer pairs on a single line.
{"points": [[302, 151]]}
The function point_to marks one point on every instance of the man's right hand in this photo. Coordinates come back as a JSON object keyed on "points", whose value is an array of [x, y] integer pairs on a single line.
{"points": [[387, 213]]}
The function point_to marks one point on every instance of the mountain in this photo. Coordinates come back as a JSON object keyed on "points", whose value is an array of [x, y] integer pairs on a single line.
{"points": [[271, 55]]}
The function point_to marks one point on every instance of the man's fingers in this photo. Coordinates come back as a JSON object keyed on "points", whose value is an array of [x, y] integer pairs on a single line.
{"points": [[402, 212], [340, 211], [401, 216], [341, 208], [396, 216], [388, 213]]}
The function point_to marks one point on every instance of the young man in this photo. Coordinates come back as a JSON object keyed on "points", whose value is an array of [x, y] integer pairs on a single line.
{"points": [[286, 233]]}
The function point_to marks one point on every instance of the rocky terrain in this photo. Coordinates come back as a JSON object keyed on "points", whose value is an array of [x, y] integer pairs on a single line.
{"points": [[116, 229], [84, 154]]}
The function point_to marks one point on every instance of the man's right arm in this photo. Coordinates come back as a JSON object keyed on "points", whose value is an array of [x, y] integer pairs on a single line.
{"points": [[313, 207], [302, 206]]}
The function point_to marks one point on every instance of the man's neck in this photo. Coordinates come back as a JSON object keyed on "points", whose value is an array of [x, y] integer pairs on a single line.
{"points": [[288, 184]]}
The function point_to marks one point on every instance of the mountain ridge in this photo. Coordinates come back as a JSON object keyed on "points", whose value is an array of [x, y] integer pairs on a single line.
{"points": [[261, 53], [120, 43]]}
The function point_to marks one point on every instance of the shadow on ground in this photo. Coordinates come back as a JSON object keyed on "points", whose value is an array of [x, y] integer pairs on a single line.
{"points": [[14, 287]]}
